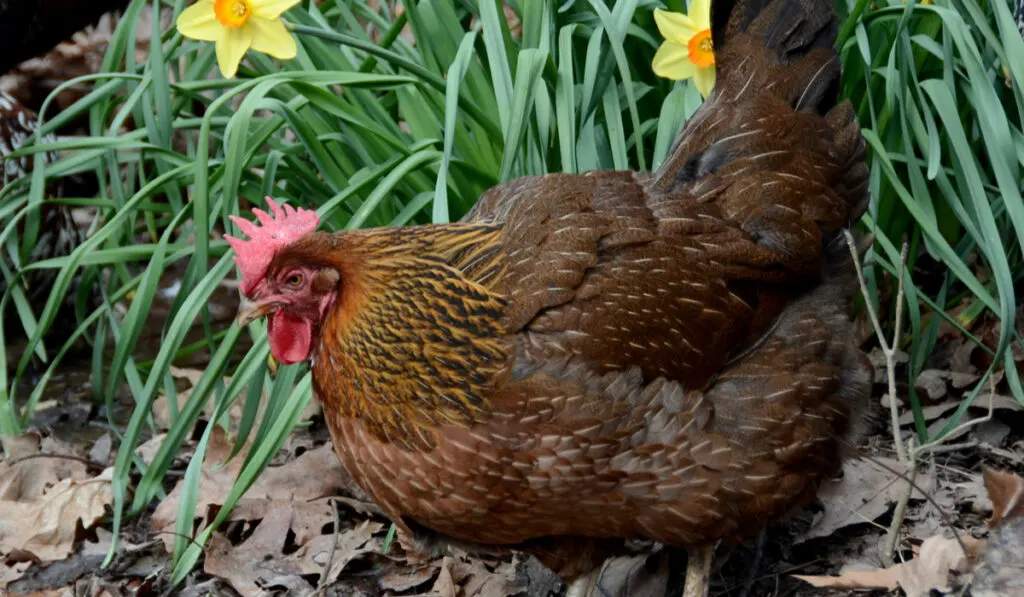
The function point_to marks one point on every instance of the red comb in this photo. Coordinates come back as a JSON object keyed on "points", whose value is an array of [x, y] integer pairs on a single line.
{"points": [[253, 256]]}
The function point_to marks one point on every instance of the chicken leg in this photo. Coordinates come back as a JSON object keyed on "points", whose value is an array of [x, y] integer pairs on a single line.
{"points": [[698, 571], [584, 585]]}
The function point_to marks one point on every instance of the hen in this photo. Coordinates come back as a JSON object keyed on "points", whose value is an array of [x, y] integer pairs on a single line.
{"points": [[586, 359]]}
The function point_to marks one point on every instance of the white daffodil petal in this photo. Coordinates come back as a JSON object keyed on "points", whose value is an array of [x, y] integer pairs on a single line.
{"points": [[675, 27], [271, 37], [231, 49], [672, 61], [271, 9], [199, 22]]}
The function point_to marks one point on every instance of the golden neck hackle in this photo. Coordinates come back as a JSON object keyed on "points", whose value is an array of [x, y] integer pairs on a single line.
{"points": [[416, 338]]}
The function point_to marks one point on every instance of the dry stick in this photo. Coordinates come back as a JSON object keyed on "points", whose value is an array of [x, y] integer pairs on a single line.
{"points": [[322, 585], [888, 351], [890, 365], [88, 463], [900, 513]]}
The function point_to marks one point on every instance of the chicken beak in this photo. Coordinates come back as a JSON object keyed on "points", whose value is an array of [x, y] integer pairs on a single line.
{"points": [[249, 311]]}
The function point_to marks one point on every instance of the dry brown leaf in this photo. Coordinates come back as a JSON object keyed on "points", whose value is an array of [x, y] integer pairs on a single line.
{"points": [[477, 580], [260, 562], [879, 578], [313, 475], [349, 545], [1006, 491], [444, 586], [992, 432], [937, 560], [102, 449], [17, 446], [46, 527], [405, 580], [630, 576], [78, 56], [866, 491], [25, 479], [147, 451], [932, 384]]}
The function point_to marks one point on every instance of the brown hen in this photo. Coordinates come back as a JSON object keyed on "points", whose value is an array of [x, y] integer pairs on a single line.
{"points": [[586, 359]]}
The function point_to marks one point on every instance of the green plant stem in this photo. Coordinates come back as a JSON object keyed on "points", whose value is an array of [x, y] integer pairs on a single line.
{"points": [[428, 77]]}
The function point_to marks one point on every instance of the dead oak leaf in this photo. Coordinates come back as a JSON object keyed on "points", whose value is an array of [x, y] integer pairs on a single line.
{"points": [[868, 489], [314, 474], [35, 465], [46, 527], [445, 585], [879, 578], [1006, 491], [477, 577], [259, 562], [405, 580], [938, 564]]}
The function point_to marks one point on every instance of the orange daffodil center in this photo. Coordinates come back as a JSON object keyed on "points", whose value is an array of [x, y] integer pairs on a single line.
{"points": [[702, 53], [688, 51], [237, 26], [232, 13]]}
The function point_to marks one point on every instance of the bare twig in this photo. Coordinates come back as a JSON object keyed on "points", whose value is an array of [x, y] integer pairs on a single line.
{"points": [[900, 513], [92, 464], [888, 350], [324, 578]]}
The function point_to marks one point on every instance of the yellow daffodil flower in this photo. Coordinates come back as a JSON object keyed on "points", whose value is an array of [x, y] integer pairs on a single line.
{"points": [[236, 26], [687, 51]]}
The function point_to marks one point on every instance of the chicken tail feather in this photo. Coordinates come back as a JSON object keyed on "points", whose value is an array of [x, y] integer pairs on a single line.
{"points": [[787, 45], [777, 76]]}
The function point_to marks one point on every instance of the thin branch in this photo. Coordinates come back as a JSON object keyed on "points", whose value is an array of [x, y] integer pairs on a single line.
{"points": [[324, 578], [889, 351], [92, 464], [900, 513]]}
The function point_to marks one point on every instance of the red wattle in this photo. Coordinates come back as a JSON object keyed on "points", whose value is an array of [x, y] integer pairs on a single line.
{"points": [[291, 337]]}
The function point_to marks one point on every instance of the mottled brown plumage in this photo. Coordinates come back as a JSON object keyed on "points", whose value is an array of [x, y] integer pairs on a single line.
{"points": [[591, 358]]}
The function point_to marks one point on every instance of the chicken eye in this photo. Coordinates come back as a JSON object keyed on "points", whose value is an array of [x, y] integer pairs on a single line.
{"points": [[294, 281]]}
